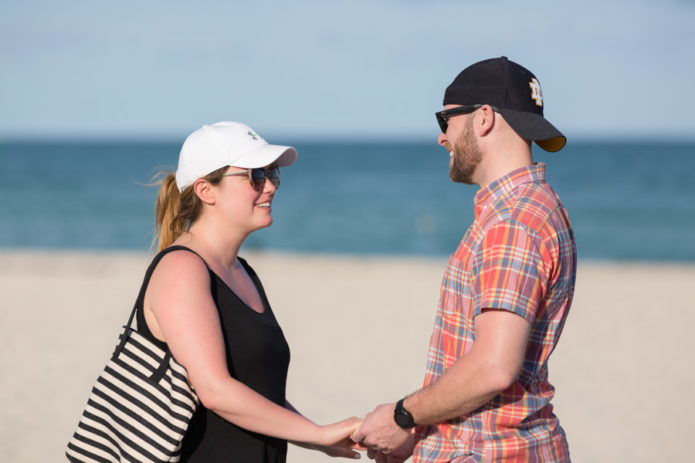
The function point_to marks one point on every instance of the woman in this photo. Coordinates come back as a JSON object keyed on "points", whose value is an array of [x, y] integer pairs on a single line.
{"points": [[209, 307]]}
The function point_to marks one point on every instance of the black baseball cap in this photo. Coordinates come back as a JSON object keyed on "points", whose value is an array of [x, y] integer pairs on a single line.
{"points": [[514, 92]]}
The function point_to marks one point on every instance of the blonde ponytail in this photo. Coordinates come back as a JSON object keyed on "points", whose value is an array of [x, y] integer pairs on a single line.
{"points": [[175, 212]]}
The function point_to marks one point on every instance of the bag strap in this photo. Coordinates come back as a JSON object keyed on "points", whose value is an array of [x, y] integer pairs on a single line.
{"points": [[162, 369], [139, 302]]}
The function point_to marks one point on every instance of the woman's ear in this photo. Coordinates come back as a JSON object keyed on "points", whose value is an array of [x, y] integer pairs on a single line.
{"points": [[204, 191]]}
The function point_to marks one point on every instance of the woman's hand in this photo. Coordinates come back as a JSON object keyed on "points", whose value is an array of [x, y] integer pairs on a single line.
{"points": [[335, 439]]}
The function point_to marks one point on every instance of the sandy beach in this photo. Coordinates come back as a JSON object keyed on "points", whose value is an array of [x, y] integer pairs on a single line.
{"points": [[358, 328]]}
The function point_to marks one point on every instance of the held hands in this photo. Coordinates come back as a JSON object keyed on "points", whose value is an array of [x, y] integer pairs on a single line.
{"points": [[387, 442], [378, 433]]}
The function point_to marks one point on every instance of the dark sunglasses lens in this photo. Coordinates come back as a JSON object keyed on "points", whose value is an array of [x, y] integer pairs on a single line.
{"points": [[443, 116], [258, 177], [441, 120], [274, 176]]}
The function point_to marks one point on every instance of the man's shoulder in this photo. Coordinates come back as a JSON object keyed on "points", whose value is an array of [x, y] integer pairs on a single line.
{"points": [[533, 204]]}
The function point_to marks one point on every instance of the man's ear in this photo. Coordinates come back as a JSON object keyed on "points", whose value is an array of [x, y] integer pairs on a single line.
{"points": [[486, 120], [204, 191]]}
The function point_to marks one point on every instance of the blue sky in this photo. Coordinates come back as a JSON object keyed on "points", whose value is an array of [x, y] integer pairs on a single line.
{"points": [[326, 68]]}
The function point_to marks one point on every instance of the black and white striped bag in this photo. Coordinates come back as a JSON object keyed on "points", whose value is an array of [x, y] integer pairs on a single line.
{"points": [[139, 408]]}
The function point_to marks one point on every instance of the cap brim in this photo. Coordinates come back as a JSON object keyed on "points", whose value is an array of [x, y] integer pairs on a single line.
{"points": [[265, 155], [535, 127]]}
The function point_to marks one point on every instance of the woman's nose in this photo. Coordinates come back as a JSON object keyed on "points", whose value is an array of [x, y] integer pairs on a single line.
{"points": [[269, 187]]}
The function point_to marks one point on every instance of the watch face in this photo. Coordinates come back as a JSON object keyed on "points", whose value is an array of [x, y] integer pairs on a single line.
{"points": [[403, 420]]}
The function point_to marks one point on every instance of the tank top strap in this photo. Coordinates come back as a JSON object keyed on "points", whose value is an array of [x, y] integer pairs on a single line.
{"points": [[139, 302], [256, 282]]}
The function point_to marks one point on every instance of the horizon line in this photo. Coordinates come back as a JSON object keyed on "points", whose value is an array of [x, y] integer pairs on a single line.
{"points": [[337, 139]]}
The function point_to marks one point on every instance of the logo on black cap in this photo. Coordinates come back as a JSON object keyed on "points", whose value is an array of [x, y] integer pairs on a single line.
{"points": [[536, 92]]}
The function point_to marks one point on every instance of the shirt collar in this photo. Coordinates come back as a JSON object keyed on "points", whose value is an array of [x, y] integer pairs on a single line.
{"points": [[487, 196]]}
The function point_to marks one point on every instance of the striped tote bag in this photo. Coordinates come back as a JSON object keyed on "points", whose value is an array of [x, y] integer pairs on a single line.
{"points": [[139, 408]]}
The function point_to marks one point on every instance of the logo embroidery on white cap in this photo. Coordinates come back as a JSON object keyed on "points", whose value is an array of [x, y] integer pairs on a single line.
{"points": [[252, 135], [536, 92]]}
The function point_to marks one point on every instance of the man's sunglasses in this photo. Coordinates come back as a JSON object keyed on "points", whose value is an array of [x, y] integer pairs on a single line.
{"points": [[258, 176], [443, 116]]}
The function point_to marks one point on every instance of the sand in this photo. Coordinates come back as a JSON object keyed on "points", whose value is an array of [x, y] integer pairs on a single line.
{"points": [[358, 328]]}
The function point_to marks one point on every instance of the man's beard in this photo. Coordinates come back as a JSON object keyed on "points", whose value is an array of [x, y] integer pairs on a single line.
{"points": [[467, 156]]}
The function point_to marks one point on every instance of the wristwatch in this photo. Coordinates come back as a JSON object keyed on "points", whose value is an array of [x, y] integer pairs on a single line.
{"points": [[402, 417]]}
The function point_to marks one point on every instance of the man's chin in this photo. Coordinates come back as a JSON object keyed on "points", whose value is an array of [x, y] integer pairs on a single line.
{"points": [[459, 178]]}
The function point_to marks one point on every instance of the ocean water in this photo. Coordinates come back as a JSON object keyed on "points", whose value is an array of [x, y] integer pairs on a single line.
{"points": [[627, 201]]}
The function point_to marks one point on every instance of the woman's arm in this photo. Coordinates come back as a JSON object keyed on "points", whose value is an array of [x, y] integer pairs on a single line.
{"points": [[179, 310]]}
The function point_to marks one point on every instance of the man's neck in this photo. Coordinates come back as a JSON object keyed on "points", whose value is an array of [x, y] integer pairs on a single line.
{"points": [[499, 161]]}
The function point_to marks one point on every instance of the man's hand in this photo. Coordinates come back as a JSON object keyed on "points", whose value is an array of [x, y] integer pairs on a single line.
{"points": [[398, 455], [383, 436]]}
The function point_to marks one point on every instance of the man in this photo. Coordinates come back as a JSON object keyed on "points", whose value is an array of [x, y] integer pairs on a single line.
{"points": [[505, 294]]}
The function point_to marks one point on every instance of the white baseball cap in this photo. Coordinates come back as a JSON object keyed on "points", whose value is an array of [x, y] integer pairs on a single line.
{"points": [[225, 143]]}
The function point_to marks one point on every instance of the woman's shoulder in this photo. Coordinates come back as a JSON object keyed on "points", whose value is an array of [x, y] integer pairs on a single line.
{"points": [[181, 264]]}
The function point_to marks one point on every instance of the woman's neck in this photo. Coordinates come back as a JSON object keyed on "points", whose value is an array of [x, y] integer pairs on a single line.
{"points": [[215, 242]]}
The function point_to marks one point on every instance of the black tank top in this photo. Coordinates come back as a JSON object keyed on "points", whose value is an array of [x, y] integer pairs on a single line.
{"points": [[257, 355]]}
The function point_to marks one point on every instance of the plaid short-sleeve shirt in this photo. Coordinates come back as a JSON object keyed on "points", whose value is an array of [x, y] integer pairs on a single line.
{"points": [[518, 255]]}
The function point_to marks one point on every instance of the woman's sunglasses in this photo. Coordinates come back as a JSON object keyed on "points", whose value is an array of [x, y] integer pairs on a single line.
{"points": [[258, 176]]}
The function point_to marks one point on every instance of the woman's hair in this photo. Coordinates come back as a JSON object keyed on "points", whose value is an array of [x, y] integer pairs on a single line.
{"points": [[175, 212]]}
